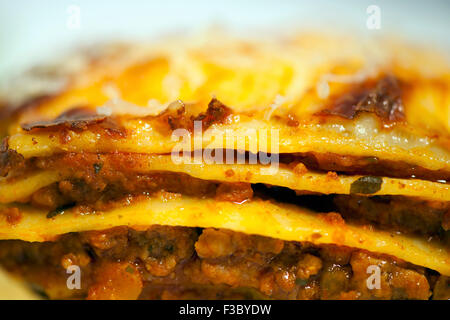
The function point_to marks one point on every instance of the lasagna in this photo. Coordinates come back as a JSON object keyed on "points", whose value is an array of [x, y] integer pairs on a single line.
{"points": [[309, 167]]}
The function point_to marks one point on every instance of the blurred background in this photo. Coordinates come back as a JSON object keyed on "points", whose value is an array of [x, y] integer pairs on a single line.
{"points": [[34, 30]]}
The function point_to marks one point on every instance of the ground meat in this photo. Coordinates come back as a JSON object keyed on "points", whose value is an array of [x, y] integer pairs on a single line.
{"points": [[164, 248], [116, 281], [170, 262], [339, 255], [446, 221], [219, 243], [310, 291], [12, 215], [49, 198], [308, 266], [401, 213], [44, 264], [9, 160], [334, 281], [237, 192], [442, 289], [159, 249], [111, 243], [396, 282]]}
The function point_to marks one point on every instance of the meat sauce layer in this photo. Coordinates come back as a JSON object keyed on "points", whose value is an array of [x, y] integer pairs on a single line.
{"points": [[319, 162], [176, 262]]}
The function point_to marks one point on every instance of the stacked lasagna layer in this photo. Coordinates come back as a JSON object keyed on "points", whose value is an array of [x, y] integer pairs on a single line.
{"points": [[301, 169]]}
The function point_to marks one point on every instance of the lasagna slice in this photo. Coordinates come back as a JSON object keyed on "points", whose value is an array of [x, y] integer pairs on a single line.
{"points": [[232, 169]]}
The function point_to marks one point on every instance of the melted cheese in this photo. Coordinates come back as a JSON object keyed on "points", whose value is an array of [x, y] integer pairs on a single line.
{"points": [[265, 218], [18, 189]]}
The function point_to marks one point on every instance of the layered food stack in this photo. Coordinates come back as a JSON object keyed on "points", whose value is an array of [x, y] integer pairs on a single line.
{"points": [[311, 167]]}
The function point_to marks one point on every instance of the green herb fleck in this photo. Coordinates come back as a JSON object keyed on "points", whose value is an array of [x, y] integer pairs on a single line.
{"points": [[301, 282], [371, 160], [98, 167], [129, 269], [366, 185], [60, 210], [159, 248]]}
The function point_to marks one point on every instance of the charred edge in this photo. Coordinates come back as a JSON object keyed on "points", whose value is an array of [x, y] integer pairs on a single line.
{"points": [[382, 98], [79, 119], [179, 118], [217, 112], [176, 117], [76, 118]]}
